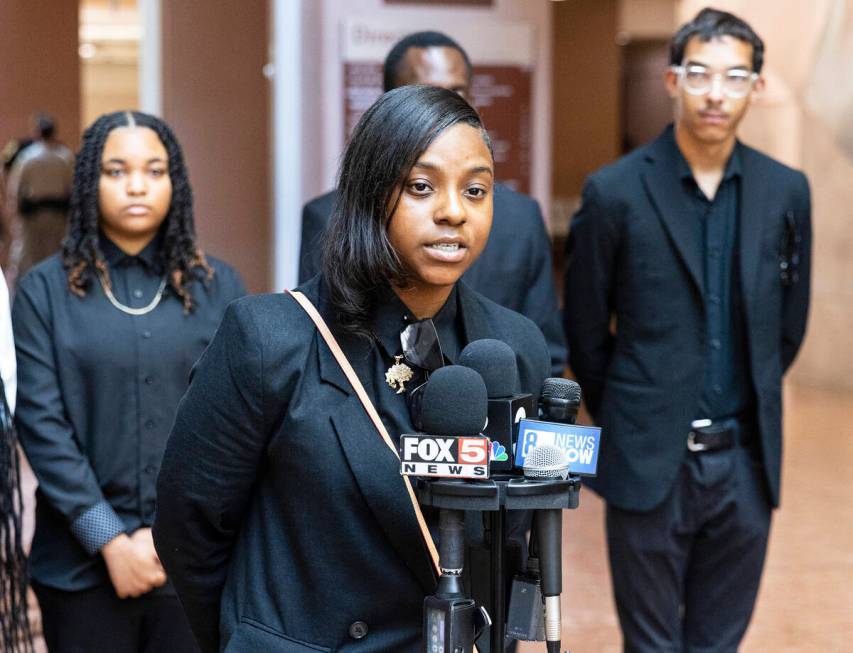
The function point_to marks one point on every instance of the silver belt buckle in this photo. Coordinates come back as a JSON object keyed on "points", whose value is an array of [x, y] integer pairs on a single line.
{"points": [[692, 445]]}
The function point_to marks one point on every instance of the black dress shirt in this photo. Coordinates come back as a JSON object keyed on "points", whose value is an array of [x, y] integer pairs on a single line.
{"points": [[727, 390], [98, 391], [392, 316]]}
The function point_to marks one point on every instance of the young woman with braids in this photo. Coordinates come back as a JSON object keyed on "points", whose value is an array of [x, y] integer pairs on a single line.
{"points": [[282, 518], [106, 334]]}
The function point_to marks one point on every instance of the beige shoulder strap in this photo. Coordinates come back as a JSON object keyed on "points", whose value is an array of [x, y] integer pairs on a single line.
{"points": [[369, 407]]}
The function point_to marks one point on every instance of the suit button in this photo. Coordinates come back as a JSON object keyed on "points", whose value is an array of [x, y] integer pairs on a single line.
{"points": [[357, 629]]}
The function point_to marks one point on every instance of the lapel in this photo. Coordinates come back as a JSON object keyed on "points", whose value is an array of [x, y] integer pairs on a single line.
{"points": [[474, 320], [754, 203], [661, 178], [375, 468]]}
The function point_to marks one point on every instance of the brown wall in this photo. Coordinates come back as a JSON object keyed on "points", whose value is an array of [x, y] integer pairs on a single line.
{"points": [[41, 71], [217, 99], [585, 91]]}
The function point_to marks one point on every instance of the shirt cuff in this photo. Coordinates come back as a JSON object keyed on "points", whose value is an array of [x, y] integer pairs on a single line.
{"points": [[97, 526]]}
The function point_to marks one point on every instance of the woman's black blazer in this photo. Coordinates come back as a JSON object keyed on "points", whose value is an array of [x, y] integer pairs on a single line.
{"points": [[282, 518]]}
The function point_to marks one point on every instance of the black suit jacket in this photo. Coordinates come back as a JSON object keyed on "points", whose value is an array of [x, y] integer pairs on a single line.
{"points": [[514, 269], [282, 518], [633, 255]]}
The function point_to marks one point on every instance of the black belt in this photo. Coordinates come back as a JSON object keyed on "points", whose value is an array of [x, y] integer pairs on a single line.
{"points": [[27, 207], [715, 435]]}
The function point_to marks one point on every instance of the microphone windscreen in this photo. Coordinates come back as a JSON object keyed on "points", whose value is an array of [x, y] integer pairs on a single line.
{"points": [[558, 388], [454, 402], [546, 461], [495, 362]]}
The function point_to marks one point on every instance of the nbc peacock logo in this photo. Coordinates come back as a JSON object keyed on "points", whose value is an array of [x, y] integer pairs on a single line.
{"points": [[498, 452]]}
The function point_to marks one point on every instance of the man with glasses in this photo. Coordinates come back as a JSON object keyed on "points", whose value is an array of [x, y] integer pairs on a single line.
{"points": [[687, 290]]}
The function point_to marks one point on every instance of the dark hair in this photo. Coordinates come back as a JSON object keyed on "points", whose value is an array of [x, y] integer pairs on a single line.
{"points": [[391, 67], [81, 254], [44, 124], [712, 24], [14, 621], [358, 259]]}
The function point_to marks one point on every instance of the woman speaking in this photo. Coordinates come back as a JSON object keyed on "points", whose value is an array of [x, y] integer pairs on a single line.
{"points": [[282, 517], [106, 333]]}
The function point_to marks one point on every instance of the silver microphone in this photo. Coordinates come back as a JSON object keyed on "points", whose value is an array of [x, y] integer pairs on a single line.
{"points": [[549, 462]]}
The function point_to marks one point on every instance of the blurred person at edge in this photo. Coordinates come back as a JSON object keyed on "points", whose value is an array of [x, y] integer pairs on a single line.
{"points": [[39, 188], [291, 529], [515, 270], [699, 247], [9, 154], [106, 333], [14, 625]]}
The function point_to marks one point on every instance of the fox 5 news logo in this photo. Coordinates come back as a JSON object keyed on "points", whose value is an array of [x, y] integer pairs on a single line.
{"points": [[444, 456]]}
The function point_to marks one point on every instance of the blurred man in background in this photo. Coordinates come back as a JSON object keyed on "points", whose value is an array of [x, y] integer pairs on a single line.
{"points": [[687, 290], [39, 190]]}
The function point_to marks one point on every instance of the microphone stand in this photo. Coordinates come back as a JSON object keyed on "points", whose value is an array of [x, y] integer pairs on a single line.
{"points": [[451, 621], [497, 525], [496, 496]]}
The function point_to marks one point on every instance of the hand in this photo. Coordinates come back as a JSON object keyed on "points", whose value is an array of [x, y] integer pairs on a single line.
{"points": [[133, 564]]}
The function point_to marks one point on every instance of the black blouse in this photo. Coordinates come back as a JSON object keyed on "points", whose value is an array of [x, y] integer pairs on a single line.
{"points": [[392, 317], [97, 393]]}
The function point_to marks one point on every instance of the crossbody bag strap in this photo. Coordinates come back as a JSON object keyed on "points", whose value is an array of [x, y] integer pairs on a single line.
{"points": [[352, 377]]}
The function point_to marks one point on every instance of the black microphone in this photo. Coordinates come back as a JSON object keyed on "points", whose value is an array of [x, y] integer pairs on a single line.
{"points": [[454, 402], [560, 400], [453, 414], [495, 362], [543, 462]]}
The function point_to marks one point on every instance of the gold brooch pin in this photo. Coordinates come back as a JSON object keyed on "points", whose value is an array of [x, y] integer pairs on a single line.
{"points": [[398, 374]]}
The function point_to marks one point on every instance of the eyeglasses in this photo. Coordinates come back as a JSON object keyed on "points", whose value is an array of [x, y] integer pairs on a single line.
{"points": [[698, 80], [420, 345]]}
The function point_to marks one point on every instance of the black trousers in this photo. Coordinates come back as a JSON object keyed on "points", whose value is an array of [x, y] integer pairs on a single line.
{"points": [[686, 574], [96, 620]]}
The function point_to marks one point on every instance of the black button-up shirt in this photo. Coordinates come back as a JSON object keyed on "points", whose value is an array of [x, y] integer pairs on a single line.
{"points": [[392, 316], [727, 391], [98, 391]]}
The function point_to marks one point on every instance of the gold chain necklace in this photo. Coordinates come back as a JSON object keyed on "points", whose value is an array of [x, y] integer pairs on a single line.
{"points": [[127, 309]]}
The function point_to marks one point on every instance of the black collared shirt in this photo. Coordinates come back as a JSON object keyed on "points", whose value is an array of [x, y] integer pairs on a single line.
{"points": [[392, 316], [97, 393], [727, 391]]}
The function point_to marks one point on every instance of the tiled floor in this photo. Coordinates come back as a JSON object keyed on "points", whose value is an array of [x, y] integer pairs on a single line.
{"points": [[806, 600]]}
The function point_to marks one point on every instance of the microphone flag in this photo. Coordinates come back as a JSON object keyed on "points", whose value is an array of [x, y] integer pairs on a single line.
{"points": [[580, 443]]}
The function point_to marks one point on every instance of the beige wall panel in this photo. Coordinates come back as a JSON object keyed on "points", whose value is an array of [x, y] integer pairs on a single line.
{"points": [[647, 19], [216, 97], [108, 87], [827, 358]]}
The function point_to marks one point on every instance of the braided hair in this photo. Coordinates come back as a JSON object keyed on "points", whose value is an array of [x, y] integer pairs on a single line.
{"points": [[14, 622], [179, 253]]}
